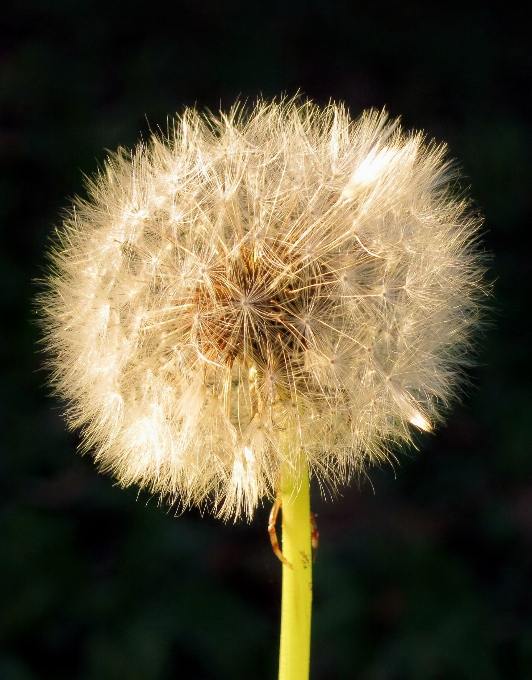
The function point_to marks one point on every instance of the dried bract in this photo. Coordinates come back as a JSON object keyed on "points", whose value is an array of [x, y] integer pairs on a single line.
{"points": [[259, 286]]}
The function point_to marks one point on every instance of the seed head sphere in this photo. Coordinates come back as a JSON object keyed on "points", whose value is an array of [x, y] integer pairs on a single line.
{"points": [[261, 286]]}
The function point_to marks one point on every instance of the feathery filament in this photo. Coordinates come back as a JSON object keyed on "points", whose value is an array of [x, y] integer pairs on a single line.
{"points": [[289, 270]]}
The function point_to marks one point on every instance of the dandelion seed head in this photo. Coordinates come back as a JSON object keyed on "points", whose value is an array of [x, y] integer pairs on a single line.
{"points": [[260, 286]]}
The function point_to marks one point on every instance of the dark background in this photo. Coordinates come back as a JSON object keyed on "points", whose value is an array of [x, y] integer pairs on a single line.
{"points": [[426, 575]]}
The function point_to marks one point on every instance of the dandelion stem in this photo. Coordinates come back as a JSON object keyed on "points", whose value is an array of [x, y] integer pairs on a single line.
{"points": [[294, 656]]}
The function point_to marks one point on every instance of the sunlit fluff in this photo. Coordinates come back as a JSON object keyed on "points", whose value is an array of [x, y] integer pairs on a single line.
{"points": [[256, 287]]}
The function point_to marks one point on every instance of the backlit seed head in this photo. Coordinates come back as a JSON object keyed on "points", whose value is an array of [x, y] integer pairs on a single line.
{"points": [[256, 287]]}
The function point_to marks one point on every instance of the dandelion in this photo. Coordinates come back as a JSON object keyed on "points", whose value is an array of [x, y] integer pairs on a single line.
{"points": [[260, 296]]}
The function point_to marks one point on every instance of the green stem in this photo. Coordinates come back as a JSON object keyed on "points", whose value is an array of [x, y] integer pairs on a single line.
{"points": [[294, 656]]}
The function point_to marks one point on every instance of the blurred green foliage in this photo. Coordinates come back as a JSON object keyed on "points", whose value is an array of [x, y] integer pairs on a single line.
{"points": [[425, 574]]}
